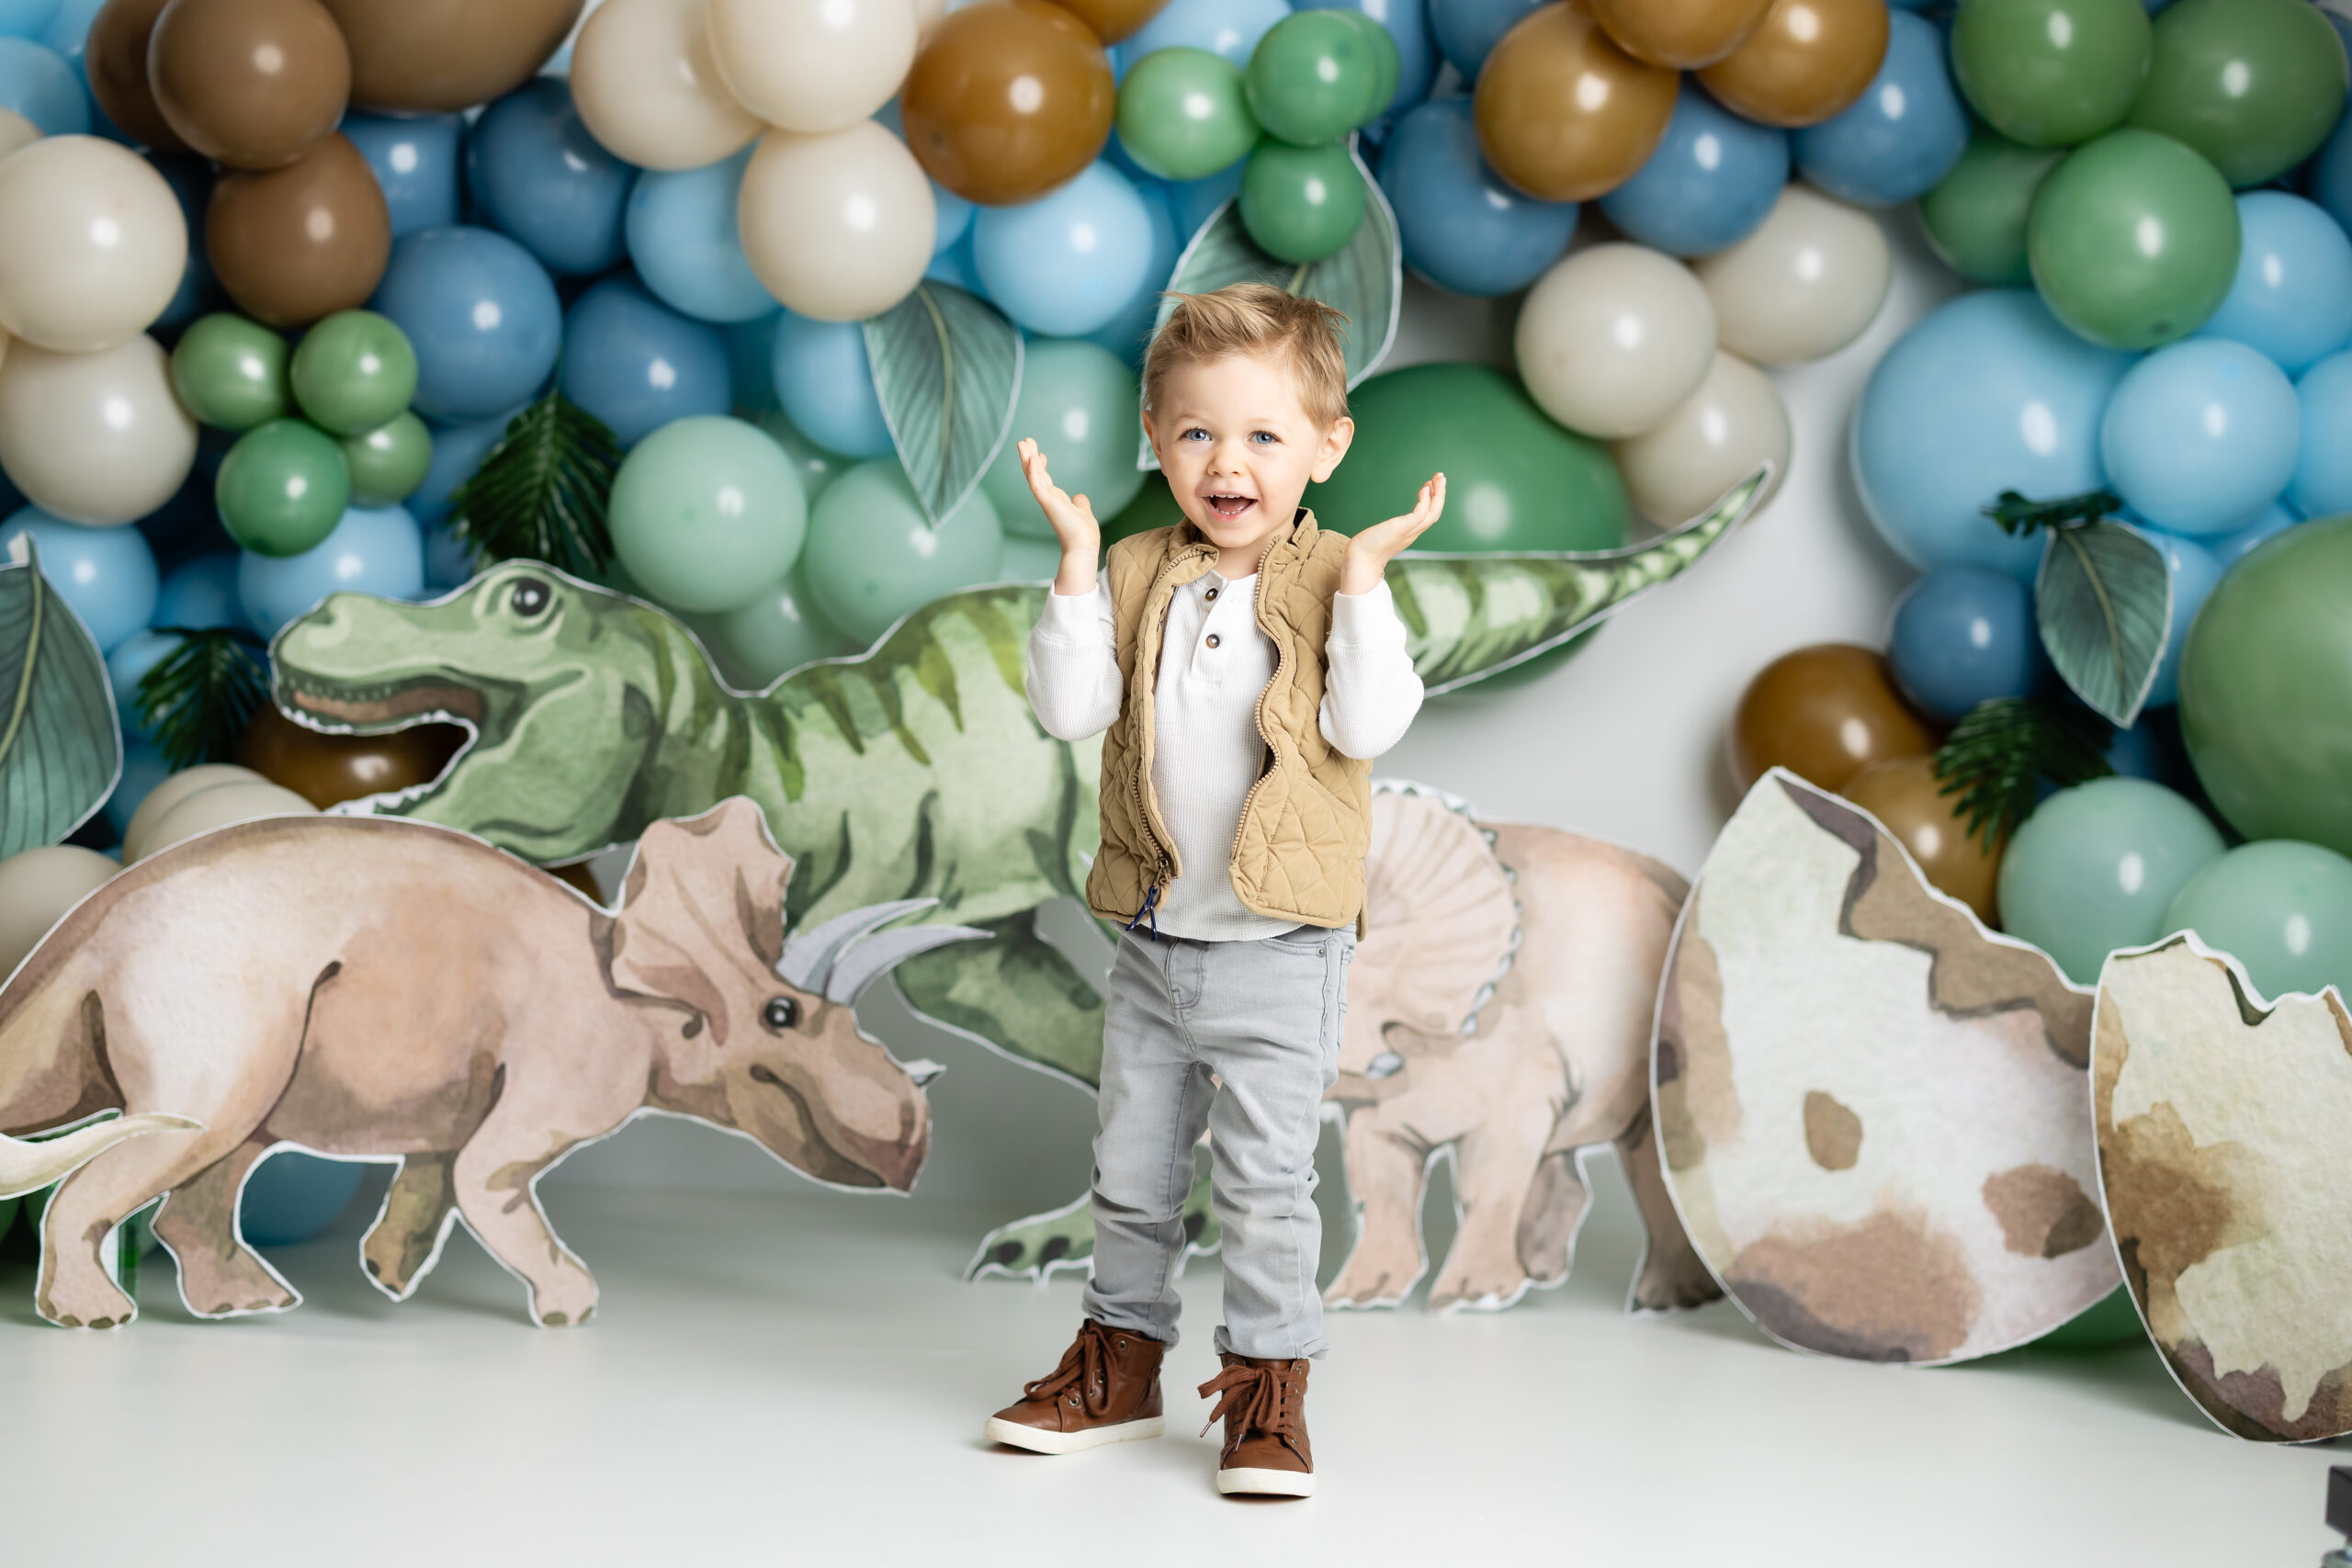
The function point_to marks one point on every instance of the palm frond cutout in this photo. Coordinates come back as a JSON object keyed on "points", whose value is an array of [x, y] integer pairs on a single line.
{"points": [[198, 698], [541, 492], [1999, 752]]}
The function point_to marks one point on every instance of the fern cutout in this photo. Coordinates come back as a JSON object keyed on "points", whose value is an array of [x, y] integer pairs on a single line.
{"points": [[541, 492], [1999, 752], [198, 698]]}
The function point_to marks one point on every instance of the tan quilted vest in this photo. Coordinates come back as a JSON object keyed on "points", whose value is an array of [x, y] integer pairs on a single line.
{"points": [[1305, 828]]}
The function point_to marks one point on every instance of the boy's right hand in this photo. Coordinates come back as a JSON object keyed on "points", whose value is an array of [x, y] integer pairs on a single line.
{"points": [[1072, 519]]}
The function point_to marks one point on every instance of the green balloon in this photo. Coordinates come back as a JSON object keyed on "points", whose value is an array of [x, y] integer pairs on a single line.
{"points": [[2281, 908], [230, 372], [1388, 65], [354, 371], [1313, 78], [2110, 1320], [873, 556], [706, 512], [2096, 867], [1079, 402], [1183, 114], [816, 467], [1975, 217], [2265, 688], [1030, 560], [282, 488], [389, 462], [2256, 86], [1153, 507], [2133, 239], [1301, 204], [2051, 73], [780, 630]]}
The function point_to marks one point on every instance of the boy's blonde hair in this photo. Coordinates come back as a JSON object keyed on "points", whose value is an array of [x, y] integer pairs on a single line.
{"points": [[1257, 319]]}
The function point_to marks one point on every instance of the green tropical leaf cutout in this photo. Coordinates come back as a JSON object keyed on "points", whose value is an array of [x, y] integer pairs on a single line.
{"points": [[60, 745], [947, 369], [541, 492], [2104, 601]]}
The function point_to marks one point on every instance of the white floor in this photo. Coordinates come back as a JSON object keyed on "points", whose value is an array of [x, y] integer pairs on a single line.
{"points": [[794, 1379]]}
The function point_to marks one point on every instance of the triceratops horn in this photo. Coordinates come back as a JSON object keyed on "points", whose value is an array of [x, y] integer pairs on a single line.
{"points": [[869, 958], [809, 958]]}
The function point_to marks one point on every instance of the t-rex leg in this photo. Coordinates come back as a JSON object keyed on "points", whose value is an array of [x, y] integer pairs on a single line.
{"points": [[400, 1246], [1387, 1177], [220, 1275], [1016, 994], [73, 1289], [1494, 1165], [493, 1174], [1672, 1275]]}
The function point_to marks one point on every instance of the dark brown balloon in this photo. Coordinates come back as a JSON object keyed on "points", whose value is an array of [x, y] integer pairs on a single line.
{"points": [[326, 770], [1563, 113], [1809, 60], [577, 874], [1825, 712], [1112, 20], [1906, 797], [1680, 34], [303, 241], [438, 56], [1006, 99], [116, 59], [249, 84]]}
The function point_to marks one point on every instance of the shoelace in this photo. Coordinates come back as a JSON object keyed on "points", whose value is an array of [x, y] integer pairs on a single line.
{"points": [[1083, 1365], [1260, 1398]]}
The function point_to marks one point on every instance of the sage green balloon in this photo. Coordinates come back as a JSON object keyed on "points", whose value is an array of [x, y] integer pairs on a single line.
{"points": [[230, 372], [1079, 403], [706, 512], [781, 629], [1153, 507], [2133, 239], [1975, 217], [2256, 86], [1301, 204], [389, 462], [873, 556], [2051, 73], [2110, 1320], [1183, 114], [816, 467], [2282, 909], [282, 488], [1313, 78], [2096, 867], [354, 371]]}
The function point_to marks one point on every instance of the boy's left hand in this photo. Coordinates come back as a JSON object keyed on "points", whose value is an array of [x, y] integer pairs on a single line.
{"points": [[1369, 551]]}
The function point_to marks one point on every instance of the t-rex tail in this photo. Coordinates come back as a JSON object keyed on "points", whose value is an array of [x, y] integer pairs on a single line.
{"points": [[28, 1167]]}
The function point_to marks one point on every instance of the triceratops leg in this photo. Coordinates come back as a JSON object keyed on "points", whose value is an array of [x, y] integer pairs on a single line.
{"points": [[1387, 1176], [220, 1275], [494, 1174], [1034, 1248], [401, 1245], [74, 1288], [1672, 1275], [1015, 993]]}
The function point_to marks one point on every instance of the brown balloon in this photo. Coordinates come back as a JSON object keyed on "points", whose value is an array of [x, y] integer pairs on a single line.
{"points": [[1006, 99], [577, 874], [1562, 112], [1810, 60], [249, 83], [1825, 712], [1679, 34], [1112, 20], [438, 56], [326, 770], [295, 243], [116, 59], [1906, 797]]}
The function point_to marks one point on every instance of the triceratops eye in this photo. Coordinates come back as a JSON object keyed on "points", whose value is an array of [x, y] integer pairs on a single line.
{"points": [[530, 597], [780, 1014]]}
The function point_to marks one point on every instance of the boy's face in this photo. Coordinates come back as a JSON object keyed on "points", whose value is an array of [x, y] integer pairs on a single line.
{"points": [[1238, 448]]}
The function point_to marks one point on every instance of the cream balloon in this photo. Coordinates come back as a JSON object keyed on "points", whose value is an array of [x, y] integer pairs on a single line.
{"points": [[645, 86], [94, 437], [929, 14], [840, 226], [37, 890], [1803, 284], [1720, 434], [1613, 338], [16, 131], [92, 243], [171, 792], [225, 805], [812, 65]]}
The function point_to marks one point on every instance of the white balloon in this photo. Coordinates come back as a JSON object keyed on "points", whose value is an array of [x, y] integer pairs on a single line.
{"points": [[1803, 284], [929, 14], [94, 437], [839, 225], [37, 890], [1613, 338], [224, 805], [171, 792], [812, 65], [645, 86], [16, 131], [92, 243], [1720, 434]]}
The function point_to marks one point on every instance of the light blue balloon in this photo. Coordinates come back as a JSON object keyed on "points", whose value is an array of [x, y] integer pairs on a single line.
{"points": [[1711, 182], [1230, 28], [1066, 263], [2201, 436], [457, 451], [749, 346], [201, 594], [142, 769], [2194, 573], [68, 30], [954, 267], [538, 176], [191, 183], [2322, 484], [2292, 298], [2231, 548], [374, 550], [1463, 229], [637, 365], [290, 1196], [1194, 202], [955, 215], [683, 239], [1983, 394], [39, 83], [1902, 136], [416, 162], [27, 18], [1964, 635], [127, 665], [106, 575], [1407, 22], [1129, 333], [481, 314], [825, 385], [1468, 31]]}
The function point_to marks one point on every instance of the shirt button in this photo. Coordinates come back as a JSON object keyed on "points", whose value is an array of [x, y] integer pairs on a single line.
{"points": [[1212, 594], [1213, 639]]}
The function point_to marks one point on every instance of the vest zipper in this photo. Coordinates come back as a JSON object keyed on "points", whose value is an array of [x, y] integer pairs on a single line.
{"points": [[1147, 740], [1258, 714]]}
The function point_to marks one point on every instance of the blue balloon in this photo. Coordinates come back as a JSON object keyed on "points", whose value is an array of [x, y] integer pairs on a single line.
{"points": [[2194, 573], [106, 575], [481, 314], [1066, 263], [749, 347], [1463, 228], [1194, 202], [2231, 548], [373, 550], [954, 266], [1230, 28], [637, 365], [39, 83], [1407, 22], [1901, 136], [1986, 393], [127, 665], [682, 237], [1468, 31], [2201, 436], [68, 30], [1129, 333], [2322, 484], [27, 18], [201, 594], [416, 162], [955, 215], [449, 559], [1711, 182], [538, 176], [825, 385], [290, 1196], [2292, 298], [1964, 635], [457, 451], [142, 769]]}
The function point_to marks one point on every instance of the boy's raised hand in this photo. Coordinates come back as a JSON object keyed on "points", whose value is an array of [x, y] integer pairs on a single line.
{"points": [[1370, 552], [1072, 519]]}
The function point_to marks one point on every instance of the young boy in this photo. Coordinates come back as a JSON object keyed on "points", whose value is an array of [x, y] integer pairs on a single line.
{"points": [[1247, 665]]}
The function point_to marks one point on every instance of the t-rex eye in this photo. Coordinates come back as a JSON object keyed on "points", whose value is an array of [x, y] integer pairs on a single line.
{"points": [[780, 1014], [530, 597]]}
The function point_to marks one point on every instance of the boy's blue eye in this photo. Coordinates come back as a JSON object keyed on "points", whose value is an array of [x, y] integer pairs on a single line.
{"points": [[1190, 434], [1265, 435]]}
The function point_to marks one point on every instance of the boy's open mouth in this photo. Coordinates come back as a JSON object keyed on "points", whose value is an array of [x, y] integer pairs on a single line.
{"points": [[1230, 506]]}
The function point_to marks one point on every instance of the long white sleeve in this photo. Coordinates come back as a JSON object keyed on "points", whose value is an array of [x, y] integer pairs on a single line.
{"points": [[1372, 691], [1073, 669]]}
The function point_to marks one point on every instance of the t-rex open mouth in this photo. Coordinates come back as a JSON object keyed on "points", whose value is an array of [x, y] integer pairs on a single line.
{"points": [[379, 704]]}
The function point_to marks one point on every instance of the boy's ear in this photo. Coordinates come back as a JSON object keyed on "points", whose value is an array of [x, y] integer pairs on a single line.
{"points": [[1336, 442], [1152, 434]]}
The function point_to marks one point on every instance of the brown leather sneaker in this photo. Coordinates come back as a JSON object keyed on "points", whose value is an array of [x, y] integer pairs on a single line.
{"points": [[1106, 1391], [1263, 1406]]}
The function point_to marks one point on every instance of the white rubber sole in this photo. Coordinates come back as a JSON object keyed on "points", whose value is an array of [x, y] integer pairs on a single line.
{"points": [[1040, 1441], [1266, 1483]]}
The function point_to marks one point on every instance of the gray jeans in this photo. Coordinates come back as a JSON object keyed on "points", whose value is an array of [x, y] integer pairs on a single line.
{"points": [[1264, 1018]]}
